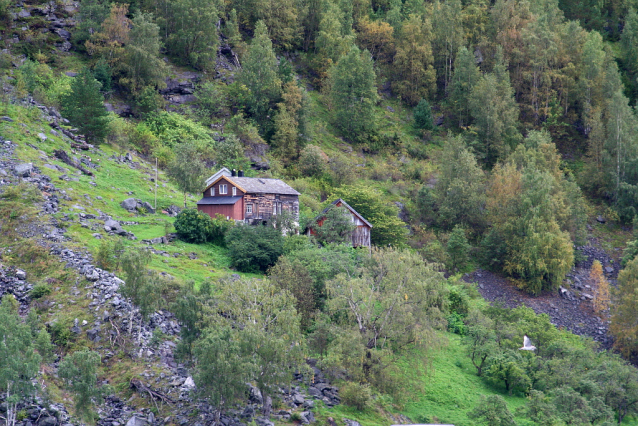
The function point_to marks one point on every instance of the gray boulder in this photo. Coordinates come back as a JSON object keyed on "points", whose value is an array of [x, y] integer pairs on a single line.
{"points": [[254, 395], [189, 383], [92, 275], [262, 421], [111, 224], [48, 421], [21, 275], [93, 334], [307, 417], [136, 421], [23, 169], [298, 399], [146, 205], [129, 204]]}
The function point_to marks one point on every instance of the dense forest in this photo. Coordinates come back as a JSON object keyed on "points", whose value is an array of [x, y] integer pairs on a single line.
{"points": [[483, 136]]}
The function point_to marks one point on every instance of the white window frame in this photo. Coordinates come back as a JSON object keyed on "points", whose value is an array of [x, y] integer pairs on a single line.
{"points": [[212, 191], [223, 189], [249, 209], [234, 191]]}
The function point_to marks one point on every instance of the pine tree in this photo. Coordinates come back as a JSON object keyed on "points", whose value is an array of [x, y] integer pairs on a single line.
{"points": [[458, 248], [466, 75], [191, 31], [423, 116], [353, 94], [142, 65], [415, 76], [260, 74], [83, 106], [495, 113], [332, 42]]}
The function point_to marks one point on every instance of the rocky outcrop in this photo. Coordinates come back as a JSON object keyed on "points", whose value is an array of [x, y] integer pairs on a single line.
{"points": [[133, 205], [180, 89]]}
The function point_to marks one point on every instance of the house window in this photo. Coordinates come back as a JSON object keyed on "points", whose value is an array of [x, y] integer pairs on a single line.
{"points": [[249, 209], [223, 189], [212, 191], [234, 191]]}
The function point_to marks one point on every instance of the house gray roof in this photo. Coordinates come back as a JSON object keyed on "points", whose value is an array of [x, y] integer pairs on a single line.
{"points": [[218, 200], [222, 172], [262, 185]]}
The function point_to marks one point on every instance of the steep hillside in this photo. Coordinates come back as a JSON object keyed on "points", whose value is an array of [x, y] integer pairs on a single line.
{"points": [[490, 145]]}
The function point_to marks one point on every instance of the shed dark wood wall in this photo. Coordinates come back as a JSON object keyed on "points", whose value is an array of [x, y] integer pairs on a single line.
{"points": [[264, 205], [360, 236]]}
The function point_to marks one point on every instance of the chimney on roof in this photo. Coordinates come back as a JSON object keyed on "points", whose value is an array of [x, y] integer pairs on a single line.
{"points": [[241, 173], [233, 172]]}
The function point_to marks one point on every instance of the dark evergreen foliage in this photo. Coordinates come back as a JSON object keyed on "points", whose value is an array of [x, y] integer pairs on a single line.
{"points": [[84, 106], [254, 248]]}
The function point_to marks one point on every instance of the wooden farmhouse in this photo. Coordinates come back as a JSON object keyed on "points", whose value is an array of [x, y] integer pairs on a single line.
{"points": [[360, 235], [252, 200]]}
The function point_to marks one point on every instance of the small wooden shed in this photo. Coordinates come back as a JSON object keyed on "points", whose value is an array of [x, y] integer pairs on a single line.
{"points": [[360, 235]]}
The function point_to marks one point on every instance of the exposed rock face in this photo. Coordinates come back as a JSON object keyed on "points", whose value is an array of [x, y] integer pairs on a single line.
{"points": [[256, 153], [121, 109], [179, 90]]}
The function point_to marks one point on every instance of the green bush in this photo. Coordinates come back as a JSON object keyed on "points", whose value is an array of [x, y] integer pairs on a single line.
{"points": [[109, 254], [193, 226], [220, 227], [356, 395], [459, 302], [60, 334], [455, 324], [313, 161], [40, 291], [254, 248]]}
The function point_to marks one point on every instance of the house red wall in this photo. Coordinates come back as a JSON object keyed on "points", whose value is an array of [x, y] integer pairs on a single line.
{"points": [[233, 211]]}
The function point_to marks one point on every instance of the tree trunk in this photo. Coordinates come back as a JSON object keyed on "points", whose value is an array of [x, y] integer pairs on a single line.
{"points": [[267, 407]]}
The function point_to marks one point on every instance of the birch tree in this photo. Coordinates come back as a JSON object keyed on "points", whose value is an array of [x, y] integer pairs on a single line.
{"points": [[19, 362], [394, 304]]}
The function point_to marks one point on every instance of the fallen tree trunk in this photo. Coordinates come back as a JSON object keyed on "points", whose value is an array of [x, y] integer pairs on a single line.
{"points": [[64, 157], [136, 384]]}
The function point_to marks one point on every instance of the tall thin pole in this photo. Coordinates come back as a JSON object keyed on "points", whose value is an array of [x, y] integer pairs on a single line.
{"points": [[155, 183]]}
